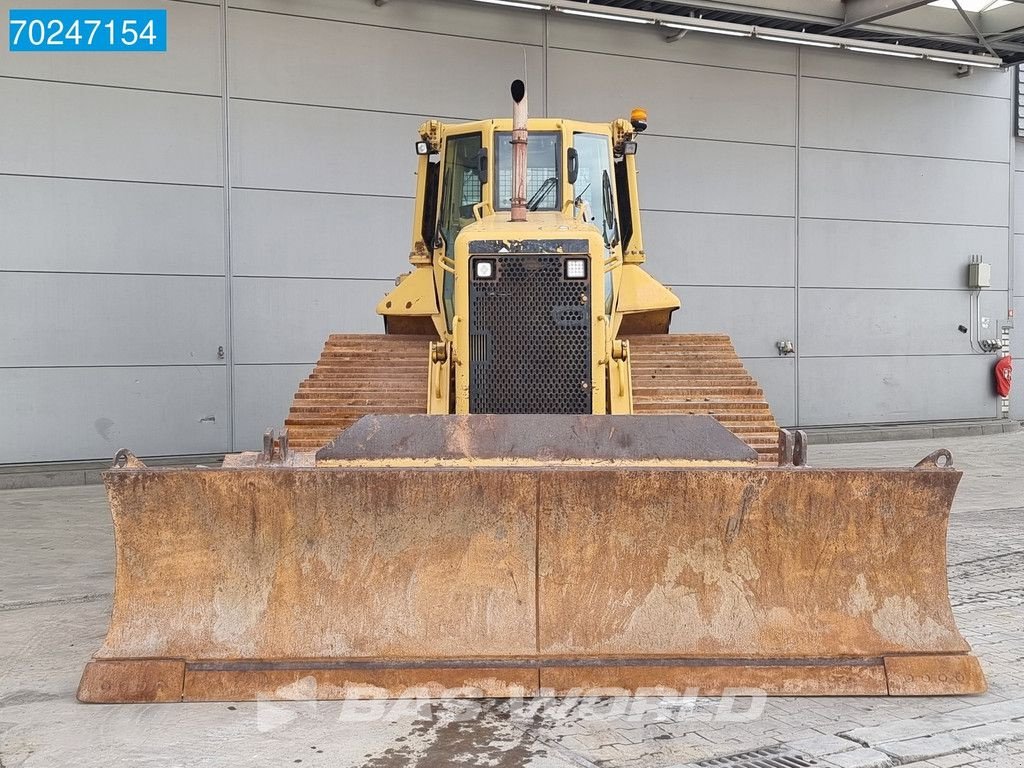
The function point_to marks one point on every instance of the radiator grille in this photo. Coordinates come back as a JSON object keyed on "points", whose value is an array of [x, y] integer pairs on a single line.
{"points": [[529, 334]]}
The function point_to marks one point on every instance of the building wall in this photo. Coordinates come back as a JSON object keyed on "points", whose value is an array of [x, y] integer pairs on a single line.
{"points": [[1017, 264], [181, 233]]}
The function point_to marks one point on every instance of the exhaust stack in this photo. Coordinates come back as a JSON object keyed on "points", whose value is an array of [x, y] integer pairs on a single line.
{"points": [[519, 139]]}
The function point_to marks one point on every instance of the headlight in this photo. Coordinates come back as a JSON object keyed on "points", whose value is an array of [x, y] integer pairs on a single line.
{"points": [[483, 269], [575, 269]]}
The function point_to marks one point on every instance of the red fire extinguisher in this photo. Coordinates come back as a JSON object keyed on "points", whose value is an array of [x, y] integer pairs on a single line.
{"points": [[1004, 375]]}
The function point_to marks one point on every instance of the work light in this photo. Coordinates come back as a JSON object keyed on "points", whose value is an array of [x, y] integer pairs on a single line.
{"points": [[575, 269]]}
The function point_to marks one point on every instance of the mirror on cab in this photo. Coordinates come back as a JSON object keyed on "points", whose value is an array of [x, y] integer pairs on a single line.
{"points": [[481, 165]]}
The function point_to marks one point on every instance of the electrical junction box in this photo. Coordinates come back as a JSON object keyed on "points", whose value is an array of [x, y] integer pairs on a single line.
{"points": [[979, 275]]}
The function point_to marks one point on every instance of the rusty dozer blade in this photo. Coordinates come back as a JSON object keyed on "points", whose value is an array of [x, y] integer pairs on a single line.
{"points": [[458, 575]]}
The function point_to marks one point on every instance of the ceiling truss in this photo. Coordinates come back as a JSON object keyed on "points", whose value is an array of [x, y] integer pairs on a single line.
{"points": [[913, 23]]}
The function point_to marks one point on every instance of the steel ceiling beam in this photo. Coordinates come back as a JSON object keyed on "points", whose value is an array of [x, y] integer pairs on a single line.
{"points": [[865, 11], [974, 28]]}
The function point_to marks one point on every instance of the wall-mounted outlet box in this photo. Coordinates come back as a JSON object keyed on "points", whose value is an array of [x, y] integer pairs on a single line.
{"points": [[979, 275]]}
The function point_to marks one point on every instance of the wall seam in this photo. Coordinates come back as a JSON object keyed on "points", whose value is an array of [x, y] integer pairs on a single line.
{"points": [[922, 89], [229, 340], [414, 30], [1012, 213], [1011, 227], [943, 158], [544, 66], [796, 242], [110, 86], [65, 177]]}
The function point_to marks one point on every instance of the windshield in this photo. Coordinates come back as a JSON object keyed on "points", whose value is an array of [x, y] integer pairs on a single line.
{"points": [[593, 185], [543, 172]]}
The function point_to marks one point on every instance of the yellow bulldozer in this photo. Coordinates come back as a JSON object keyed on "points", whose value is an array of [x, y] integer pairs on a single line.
{"points": [[528, 486]]}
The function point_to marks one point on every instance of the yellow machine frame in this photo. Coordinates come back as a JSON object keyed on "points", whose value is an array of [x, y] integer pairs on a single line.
{"points": [[638, 300]]}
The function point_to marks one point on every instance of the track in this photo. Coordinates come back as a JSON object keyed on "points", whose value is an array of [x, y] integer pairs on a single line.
{"points": [[360, 374], [701, 374]]}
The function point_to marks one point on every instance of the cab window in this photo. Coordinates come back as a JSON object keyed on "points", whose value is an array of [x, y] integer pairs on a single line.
{"points": [[594, 186], [543, 171], [460, 191]]}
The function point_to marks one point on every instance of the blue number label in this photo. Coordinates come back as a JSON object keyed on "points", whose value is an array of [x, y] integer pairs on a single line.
{"points": [[83, 30]]}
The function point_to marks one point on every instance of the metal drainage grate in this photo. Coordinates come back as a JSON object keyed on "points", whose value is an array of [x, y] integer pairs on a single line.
{"points": [[766, 757]]}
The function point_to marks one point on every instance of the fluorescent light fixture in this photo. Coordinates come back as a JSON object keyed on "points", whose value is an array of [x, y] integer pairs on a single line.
{"points": [[884, 52], [714, 30], [964, 62], [795, 40], [515, 4], [605, 16], [792, 37]]}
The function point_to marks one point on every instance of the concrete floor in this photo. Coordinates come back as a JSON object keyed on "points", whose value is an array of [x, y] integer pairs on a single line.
{"points": [[55, 581]]}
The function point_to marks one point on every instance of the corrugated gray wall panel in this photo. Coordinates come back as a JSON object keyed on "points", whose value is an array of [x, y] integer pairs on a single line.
{"points": [[755, 318], [1017, 338], [57, 129], [870, 254], [839, 323], [110, 226], [777, 377], [693, 108], [319, 149], [55, 414], [1017, 351], [191, 63], [470, 21], [871, 118], [719, 249], [721, 211], [887, 70], [312, 61], [316, 308], [263, 395], [1018, 266], [633, 42], [1017, 334], [55, 319], [865, 390], [1018, 202], [714, 177], [303, 234], [857, 185]]}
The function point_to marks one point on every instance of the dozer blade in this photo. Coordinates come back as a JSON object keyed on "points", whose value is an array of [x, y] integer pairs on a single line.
{"points": [[467, 576]]}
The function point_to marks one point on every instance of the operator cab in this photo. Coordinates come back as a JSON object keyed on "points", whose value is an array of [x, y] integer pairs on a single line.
{"points": [[527, 252], [573, 171], [563, 166]]}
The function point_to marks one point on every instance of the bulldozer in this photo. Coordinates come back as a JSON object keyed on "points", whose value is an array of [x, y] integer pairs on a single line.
{"points": [[528, 486]]}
